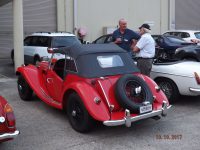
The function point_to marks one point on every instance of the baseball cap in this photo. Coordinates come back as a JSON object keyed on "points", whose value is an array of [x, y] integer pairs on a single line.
{"points": [[145, 26]]}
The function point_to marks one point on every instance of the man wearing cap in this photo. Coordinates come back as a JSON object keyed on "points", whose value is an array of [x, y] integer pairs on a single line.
{"points": [[145, 50], [123, 36]]}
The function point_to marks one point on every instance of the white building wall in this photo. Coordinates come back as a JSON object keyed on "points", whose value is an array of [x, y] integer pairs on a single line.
{"points": [[94, 15]]}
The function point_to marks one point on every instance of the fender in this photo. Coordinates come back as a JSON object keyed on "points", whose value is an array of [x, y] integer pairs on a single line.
{"points": [[159, 95], [31, 75], [88, 94]]}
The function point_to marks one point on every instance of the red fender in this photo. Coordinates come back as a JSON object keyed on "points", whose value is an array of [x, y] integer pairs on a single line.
{"points": [[30, 73], [87, 93]]}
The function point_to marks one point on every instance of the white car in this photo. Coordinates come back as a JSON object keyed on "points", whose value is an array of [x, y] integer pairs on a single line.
{"points": [[36, 44], [187, 35], [177, 78]]}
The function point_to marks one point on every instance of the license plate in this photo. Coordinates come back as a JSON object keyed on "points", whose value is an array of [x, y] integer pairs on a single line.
{"points": [[145, 109]]}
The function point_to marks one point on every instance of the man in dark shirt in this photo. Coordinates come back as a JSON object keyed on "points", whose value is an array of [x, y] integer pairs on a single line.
{"points": [[123, 36]]}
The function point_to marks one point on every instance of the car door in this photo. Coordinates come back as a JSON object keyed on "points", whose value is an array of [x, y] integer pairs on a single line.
{"points": [[54, 82]]}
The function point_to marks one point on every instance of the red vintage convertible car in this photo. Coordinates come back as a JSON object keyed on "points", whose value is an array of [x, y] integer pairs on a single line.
{"points": [[7, 121], [94, 82]]}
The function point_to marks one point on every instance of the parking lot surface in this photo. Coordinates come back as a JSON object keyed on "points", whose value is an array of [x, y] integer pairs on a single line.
{"points": [[45, 128]]}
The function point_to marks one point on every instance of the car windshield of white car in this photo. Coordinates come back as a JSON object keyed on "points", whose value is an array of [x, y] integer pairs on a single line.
{"points": [[197, 34], [65, 41]]}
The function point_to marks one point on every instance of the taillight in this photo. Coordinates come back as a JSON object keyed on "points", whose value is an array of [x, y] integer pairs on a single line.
{"points": [[10, 118], [197, 77]]}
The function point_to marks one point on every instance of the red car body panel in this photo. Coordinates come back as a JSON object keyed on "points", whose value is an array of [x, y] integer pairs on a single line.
{"points": [[58, 90], [8, 126], [100, 82], [88, 89]]}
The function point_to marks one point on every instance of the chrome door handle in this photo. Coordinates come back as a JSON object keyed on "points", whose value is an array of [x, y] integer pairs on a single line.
{"points": [[49, 80]]}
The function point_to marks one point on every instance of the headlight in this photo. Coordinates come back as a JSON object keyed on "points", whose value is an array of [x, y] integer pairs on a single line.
{"points": [[177, 50]]}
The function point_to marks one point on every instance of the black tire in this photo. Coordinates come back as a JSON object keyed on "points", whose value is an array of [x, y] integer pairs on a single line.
{"points": [[25, 92], [78, 116], [169, 88], [127, 95]]}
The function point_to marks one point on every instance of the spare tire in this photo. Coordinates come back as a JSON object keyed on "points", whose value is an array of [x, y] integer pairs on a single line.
{"points": [[132, 92]]}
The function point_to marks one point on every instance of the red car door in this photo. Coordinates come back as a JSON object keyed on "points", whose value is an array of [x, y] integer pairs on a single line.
{"points": [[54, 85]]}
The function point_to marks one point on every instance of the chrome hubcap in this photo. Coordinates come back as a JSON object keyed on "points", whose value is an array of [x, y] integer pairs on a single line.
{"points": [[74, 113], [20, 87]]}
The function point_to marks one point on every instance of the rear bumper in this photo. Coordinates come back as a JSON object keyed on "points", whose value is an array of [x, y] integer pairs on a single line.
{"points": [[128, 120], [195, 90], [9, 135]]}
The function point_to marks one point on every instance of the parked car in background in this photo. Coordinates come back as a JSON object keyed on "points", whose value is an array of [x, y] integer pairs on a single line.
{"points": [[188, 53], [94, 82], [167, 44], [8, 129], [187, 35], [103, 39], [177, 77], [36, 44]]}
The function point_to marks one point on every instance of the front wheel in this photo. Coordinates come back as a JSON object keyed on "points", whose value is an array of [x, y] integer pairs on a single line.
{"points": [[78, 116], [169, 88], [25, 92]]}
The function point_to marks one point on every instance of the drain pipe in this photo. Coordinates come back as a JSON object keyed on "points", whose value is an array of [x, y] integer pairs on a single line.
{"points": [[172, 25], [75, 4]]}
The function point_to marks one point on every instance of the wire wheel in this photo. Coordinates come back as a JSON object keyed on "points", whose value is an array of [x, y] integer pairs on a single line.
{"points": [[169, 88], [135, 92]]}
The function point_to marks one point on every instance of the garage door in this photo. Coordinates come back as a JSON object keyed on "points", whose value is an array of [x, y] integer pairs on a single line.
{"points": [[38, 16], [187, 14]]}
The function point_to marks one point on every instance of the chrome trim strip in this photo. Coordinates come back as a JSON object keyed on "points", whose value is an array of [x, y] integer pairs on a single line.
{"points": [[128, 120], [166, 73], [104, 94], [9, 135], [194, 90]]}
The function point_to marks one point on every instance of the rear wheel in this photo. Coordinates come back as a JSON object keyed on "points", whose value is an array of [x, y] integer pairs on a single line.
{"points": [[169, 88], [78, 116], [25, 92]]}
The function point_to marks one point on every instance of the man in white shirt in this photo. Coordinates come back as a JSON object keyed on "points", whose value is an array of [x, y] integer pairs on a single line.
{"points": [[145, 50]]}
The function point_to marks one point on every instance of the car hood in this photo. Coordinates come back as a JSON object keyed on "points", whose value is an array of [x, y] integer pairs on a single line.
{"points": [[191, 47], [182, 68]]}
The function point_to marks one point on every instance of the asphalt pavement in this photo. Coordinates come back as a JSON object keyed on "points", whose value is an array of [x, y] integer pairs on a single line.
{"points": [[45, 128]]}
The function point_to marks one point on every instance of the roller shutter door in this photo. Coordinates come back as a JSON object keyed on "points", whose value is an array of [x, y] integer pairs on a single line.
{"points": [[38, 16], [187, 14]]}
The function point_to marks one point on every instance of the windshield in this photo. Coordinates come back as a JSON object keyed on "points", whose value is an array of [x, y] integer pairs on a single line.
{"points": [[197, 34], [64, 41]]}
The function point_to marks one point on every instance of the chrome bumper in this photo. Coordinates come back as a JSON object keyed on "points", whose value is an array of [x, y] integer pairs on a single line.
{"points": [[9, 135], [197, 91], [128, 120]]}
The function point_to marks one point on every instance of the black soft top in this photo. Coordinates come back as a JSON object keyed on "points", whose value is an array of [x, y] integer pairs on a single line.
{"points": [[79, 49], [87, 65]]}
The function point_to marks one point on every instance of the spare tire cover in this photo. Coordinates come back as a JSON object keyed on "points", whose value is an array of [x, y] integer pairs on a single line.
{"points": [[132, 92]]}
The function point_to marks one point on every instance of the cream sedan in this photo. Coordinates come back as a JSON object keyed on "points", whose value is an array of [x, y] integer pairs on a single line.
{"points": [[177, 78]]}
